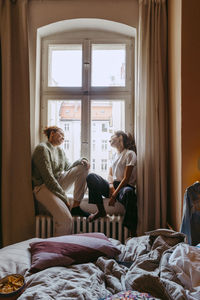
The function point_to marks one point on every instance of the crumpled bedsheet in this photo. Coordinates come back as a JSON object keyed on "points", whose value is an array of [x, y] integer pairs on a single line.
{"points": [[151, 271]]}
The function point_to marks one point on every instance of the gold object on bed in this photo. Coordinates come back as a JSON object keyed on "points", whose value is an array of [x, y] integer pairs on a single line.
{"points": [[11, 284]]}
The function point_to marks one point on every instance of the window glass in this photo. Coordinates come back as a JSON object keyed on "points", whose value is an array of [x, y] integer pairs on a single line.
{"points": [[108, 65], [104, 145], [65, 65], [86, 88], [109, 114], [93, 164], [66, 114]]}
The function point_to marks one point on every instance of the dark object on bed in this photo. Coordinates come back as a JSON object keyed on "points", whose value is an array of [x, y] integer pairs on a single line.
{"points": [[70, 249], [191, 214]]}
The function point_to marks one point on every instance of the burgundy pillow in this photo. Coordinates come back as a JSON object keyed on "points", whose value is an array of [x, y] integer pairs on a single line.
{"points": [[70, 249]]}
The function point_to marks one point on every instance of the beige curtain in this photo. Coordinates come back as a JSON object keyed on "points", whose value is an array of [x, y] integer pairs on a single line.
{"points": [[151, 115], [17, 204]]}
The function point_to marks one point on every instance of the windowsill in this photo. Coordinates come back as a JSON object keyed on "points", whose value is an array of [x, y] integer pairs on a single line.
{"points": [[118, 209]]}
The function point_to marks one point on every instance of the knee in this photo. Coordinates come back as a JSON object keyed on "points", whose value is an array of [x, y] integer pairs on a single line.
{"points": [[90, 178], [129, 194], [70, 218], [128, 191], [62, 215], [82, 170]]}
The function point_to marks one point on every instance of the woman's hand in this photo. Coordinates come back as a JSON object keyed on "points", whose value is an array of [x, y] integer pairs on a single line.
{"points": [[112, 196], [68, 205], [111, 190], [112, 201], [85, 163]]}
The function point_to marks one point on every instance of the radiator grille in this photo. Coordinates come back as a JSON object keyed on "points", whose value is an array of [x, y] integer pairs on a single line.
{"points": [[111, 226]]}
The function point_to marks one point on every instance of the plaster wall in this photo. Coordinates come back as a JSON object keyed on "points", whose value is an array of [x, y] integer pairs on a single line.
{"points": [[184, 102], [190, 61]]}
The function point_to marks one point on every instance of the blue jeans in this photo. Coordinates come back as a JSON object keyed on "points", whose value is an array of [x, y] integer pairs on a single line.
{"points": [[99, 188]]}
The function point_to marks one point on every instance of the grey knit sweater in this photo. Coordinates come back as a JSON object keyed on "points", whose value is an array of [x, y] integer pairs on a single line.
{"points": [[48, 163]]}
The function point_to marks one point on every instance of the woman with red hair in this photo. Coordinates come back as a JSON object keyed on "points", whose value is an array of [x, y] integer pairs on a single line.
{"points": [[53, 175]]}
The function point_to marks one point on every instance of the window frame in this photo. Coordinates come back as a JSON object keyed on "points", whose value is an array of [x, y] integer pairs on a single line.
{"points": [[87, 93]]}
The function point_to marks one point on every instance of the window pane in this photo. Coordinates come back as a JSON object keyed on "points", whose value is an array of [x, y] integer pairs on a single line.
{"points": [[65, 65], [66, 114], [107, 116], [108, 64]]}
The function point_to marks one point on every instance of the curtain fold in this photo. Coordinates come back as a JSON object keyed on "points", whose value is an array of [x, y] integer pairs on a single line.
{"points": [[151, 115], [0, 145], [17, 207]]}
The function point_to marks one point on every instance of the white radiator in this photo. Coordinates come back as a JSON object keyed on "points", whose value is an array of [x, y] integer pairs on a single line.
{"points": [[111, 226]]}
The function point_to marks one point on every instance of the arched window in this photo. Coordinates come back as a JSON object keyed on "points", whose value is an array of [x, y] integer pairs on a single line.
{"points": [[87, 82]]}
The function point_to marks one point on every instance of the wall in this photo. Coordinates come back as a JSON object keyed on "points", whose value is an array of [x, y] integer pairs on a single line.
{"points": [[44, 12], [190, 91], [49, 11], [184, 101]]}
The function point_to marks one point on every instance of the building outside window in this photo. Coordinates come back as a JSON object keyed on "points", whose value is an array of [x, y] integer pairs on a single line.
{"points": [[104, 145], [93, 145], [104, 128], [67, 144], [66, 127], [104, 164], [93, 164]]}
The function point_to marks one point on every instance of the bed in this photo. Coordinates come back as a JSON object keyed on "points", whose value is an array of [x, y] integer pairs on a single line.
{"points": [[159, 263]]}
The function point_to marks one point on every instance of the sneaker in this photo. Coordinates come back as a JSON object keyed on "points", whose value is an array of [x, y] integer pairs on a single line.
{"points": [[77, 211]]}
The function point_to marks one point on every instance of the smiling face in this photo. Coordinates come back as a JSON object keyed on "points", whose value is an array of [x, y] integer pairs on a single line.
{"points": [[57, 137], [116, 141]]}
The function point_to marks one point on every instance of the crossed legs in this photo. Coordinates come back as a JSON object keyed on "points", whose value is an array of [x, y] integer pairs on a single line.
{"points": [[99, 188], [76, 175], [62, 218]]}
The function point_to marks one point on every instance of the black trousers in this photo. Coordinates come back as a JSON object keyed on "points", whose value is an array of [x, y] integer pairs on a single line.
{"points": [[99, 188]]}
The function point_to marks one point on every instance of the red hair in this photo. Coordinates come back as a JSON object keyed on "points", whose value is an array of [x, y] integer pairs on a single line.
{"points": [[47, 131]]}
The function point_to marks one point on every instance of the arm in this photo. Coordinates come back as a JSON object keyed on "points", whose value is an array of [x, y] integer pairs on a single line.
{"points": [[82, 161], [110, 176], [127, 173], [41, 160], [67, 163], [110, 180]]}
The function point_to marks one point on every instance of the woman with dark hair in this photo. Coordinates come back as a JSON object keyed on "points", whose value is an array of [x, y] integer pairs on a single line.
{"points": [[53, 175], [121, 182]]}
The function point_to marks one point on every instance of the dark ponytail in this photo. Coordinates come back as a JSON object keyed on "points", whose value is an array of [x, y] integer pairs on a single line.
{"points": [[128, 140]]}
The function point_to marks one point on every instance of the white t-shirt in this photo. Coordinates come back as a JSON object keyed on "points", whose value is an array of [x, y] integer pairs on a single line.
{"points": [[120, 161]]}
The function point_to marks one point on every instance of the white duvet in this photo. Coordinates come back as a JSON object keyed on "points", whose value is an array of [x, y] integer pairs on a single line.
{"points": [[83, 281], [160, 266], [185, 261]]}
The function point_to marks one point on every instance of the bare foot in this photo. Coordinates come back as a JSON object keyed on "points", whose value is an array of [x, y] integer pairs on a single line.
{"points": [[96, 215]]}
